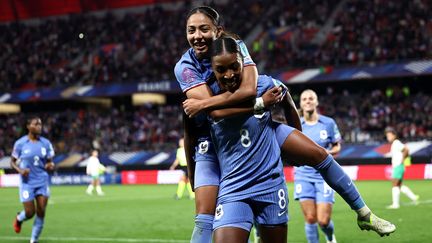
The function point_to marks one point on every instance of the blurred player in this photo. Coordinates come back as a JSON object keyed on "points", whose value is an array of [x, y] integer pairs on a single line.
{"points": [[184, 180], [399, 153], [32, 158], [95, 169], [316, 197], [252, 185]]}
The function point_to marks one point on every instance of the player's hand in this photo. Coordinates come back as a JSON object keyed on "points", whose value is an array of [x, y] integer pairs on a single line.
{"points": [[49, 166], [25, 172], [272, 96], [192, 107]]}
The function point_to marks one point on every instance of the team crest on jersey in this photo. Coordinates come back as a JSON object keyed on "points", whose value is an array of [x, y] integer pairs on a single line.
{"points": [[203, 147], [323, 134], [219, 212], [43, 151], [188, 75]]}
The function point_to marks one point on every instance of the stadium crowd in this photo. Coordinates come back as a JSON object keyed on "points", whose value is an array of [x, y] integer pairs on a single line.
{"points": [[149, 127], [93, 49], [361, 116]]}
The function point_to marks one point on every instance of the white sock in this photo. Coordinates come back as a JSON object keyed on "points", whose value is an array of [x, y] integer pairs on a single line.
{"points": [[395, 195], [405, 190], [99, 190], [90, 188], [363, 212]]}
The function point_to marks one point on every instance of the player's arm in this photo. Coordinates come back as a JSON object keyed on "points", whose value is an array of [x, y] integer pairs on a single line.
{"points": [[290, 111], [14, 165], [246, 92], [335, 149], [190, 141], [49, 165], [174, 164], [269, 98]]}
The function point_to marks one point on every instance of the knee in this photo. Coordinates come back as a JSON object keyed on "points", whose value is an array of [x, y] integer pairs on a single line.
{"points": [[40, 213], [310, 219], [323, 223], [29, 213]]}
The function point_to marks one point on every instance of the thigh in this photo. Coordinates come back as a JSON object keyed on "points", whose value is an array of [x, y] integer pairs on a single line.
{"points": [[274, 233], [41, 203], [324, 211], [205, 199], [302, 150], [231, 234]]}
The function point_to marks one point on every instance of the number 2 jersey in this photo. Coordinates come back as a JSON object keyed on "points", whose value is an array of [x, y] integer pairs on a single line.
{"points": [[33, 155], [248, 152]]}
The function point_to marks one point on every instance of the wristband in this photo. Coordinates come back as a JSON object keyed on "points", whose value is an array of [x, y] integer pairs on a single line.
{"points": [[259, 104]]}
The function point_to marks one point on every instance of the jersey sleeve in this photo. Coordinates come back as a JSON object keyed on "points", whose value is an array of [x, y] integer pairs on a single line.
{"points": [[50, 150], [16, 152], [278, 83], [335, 135], [187, 76], [247, 59]]}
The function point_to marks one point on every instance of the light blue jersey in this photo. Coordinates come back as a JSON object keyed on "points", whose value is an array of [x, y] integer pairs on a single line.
{"points": [[325, 133], [248, 152], [33, 155]]}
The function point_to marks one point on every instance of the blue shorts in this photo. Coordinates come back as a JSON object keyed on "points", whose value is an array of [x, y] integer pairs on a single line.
{"points": [[28, 193], [318, 191], [265, 209], [207, 172], [282, 131]]}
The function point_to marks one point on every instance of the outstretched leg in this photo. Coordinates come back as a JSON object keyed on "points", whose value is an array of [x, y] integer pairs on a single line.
{"points": [[303, 151]]}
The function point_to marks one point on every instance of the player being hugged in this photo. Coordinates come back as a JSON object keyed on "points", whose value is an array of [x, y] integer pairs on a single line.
{"points": [[32, 158]]}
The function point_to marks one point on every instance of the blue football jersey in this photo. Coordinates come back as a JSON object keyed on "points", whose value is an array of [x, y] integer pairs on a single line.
{"points": [[33, 155], [191, 72], [248, 153], [325, 133]]}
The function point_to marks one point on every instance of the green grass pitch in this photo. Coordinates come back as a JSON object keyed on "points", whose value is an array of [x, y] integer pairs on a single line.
{"points": [[149, 213]]}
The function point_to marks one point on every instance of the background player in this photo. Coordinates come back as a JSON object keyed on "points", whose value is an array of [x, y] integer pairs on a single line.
{"points": [[95, 169], [32, 158], [399, 153], [316, 197], [184, 180]]}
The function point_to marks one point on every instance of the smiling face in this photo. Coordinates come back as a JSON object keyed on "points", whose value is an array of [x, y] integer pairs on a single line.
{"points": [[228, 68], [308, 101], [200, 33]]}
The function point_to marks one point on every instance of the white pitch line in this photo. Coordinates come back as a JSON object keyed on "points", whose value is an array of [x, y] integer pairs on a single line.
{"points": [[91, 239]]}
